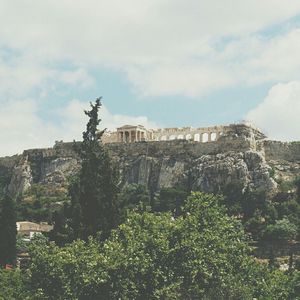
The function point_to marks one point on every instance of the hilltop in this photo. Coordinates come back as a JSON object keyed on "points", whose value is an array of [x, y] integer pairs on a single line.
{"points": [[239, 155]]}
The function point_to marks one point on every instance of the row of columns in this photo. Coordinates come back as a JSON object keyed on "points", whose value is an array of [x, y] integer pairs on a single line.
{"points": [[130, 136], [211, 136]]}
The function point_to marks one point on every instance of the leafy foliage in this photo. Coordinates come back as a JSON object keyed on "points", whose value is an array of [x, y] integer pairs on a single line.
{"points": [[282, 231], [170, 199], [202, 254], [12, 285], [133, 197], [260, 213], [39, 203], [297, 184], [5, 176], [8, 232]]}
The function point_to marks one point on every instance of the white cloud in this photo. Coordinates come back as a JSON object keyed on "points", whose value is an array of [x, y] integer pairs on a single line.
{"points": [[112, 121], [77, 77], [22, 127], [278, 115], [74, 120], [20, 74], [190, 79], [160, 44], [248, 60], [165, 47], [256, 59]]}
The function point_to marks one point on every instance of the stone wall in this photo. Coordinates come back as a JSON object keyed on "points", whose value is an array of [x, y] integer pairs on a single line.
{"points": [[240, 154], [201, 134], [196, 166], [275, 150], [177, 148]]}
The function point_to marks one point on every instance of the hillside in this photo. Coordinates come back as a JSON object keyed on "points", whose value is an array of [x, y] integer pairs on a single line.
{"points": [[238, 156]]}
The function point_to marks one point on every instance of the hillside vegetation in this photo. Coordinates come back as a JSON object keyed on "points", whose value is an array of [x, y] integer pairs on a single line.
{"points": [[110, 242]]}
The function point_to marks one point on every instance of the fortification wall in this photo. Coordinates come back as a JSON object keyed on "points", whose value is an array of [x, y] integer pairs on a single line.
{"points": [[240, 138], [236, 155], [240, 153], [129, 134], [9, 161], [275, 150], [60, 150], [177, 148]]}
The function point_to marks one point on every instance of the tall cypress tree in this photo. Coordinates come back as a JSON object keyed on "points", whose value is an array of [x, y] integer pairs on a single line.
{"points": [[75, 215], [297, 183], [8, 231], [97, 184]]}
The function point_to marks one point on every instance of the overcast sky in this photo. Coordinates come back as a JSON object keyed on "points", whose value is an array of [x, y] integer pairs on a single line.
{"points": [[161, 63]]}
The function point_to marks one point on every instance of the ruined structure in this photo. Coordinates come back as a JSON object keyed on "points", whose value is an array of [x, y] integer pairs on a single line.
{"points": [[162, 158], [138, 133], [130, 133]]}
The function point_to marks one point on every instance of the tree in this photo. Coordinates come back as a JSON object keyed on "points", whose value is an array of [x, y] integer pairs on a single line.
{"points": [[201, 254], [74, 211], [60, 233], [253, 201], [133, 197], [12, 285], [8, 232], [97, 181], [233, 197], [170, 199], [282, 231], [297, 184]]}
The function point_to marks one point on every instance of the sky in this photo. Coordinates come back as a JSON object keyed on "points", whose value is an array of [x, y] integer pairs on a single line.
{"points": [[159, 63]]}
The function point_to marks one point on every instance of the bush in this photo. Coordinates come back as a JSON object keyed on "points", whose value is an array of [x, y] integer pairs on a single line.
{"points": [[11, 285], [202, 254], [282, 231]]}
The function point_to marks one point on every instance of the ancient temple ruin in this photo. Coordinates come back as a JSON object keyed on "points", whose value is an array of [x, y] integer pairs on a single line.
{"points": [[129, 134], [138, 133]]}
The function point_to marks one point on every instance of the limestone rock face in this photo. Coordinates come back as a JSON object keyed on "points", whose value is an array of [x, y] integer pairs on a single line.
{"points": [[208, 172], [238, 156], [21, 179], [153, 172], [57, 171], [48, 167], [212, 172]]}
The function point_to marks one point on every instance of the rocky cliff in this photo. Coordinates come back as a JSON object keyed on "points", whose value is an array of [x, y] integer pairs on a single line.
{"points": [[197, 166]]}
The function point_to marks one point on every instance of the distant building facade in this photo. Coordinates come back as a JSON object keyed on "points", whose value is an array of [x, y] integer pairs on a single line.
{"points": [[28, 229], [138, 133]]}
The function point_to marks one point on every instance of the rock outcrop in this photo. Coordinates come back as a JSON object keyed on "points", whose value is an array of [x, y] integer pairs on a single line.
{"points": [[21, 179], [238, 156], [212, 172]]}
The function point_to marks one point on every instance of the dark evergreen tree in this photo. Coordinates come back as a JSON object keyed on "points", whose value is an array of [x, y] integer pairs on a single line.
{"points": [[60, 233], [97, 182], [233, 197], [170, 199], [75, 209], [297, 184], [8, 232]]}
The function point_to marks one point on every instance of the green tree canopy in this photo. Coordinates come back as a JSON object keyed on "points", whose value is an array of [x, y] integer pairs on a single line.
{"points": [[170, 199], [282, 231], [202, 254], [12, 285], [8, 231], [133, 197]]}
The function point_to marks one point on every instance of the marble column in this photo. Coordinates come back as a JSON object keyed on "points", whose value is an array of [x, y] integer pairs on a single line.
{"points": [[209, 137]]}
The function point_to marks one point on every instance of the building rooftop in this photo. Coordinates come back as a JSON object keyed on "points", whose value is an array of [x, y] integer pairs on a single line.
{"points": [[25, 226]]}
